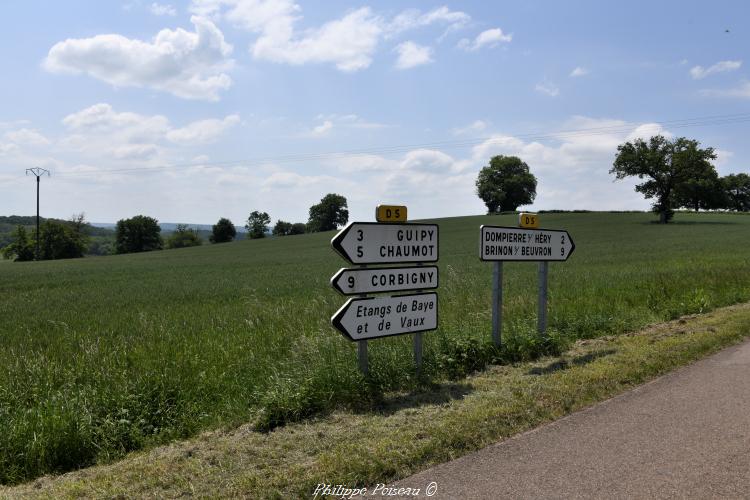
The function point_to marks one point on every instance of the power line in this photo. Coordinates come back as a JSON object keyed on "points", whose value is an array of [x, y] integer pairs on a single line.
{"points": [[454, 144], [38, 172]]}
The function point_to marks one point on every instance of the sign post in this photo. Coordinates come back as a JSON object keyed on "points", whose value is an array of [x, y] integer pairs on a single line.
{"points": [[497, 304], [541, 317], [388, 241], [498, 244]]}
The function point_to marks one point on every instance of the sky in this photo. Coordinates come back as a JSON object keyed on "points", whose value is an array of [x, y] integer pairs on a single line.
{"points": [[190, 111]]}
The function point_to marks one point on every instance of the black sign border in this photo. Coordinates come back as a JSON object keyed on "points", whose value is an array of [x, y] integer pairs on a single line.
{"points": [[336, 242], [362, 269], [336, 318], [481, 234]]}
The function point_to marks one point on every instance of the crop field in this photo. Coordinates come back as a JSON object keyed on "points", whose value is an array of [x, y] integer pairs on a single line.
{"points": [[101, 356]]}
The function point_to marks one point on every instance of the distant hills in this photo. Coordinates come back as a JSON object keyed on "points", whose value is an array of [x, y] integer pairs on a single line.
{"points": [[171, 226]]}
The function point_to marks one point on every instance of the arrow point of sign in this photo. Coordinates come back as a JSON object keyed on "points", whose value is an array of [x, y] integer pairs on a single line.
{"points": [[339, 238], [338, 316], [335, 280]]}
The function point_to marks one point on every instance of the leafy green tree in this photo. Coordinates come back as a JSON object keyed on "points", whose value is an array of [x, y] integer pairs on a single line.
{"points": [[223, 231], [703, 191], [329, 214], [506, 184], [257, 224], [137, 234], [184, 237], [282, 228], [60, 240], [20, 248], [737, 189], [298, 228], [666, 164]]}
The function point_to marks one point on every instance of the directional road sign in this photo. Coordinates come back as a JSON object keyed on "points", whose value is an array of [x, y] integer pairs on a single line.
{"points": [[512, 243], [385, 279], [375, 243], [368, 318]]}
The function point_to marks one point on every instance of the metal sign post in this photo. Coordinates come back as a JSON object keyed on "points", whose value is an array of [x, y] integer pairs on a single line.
{"points": [[497, 304], [362, 356], [542, 301]]}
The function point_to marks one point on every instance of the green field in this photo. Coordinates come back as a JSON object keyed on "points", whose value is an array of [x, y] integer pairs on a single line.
{"points": [[105, 355]]}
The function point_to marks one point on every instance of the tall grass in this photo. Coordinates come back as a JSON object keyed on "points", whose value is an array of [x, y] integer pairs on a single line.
{"points": [[105, 355]]}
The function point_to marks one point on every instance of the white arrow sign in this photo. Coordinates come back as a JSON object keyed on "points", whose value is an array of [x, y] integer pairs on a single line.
{"points": [[385, 279], [368, 318], [375, 243], [512, 243]]}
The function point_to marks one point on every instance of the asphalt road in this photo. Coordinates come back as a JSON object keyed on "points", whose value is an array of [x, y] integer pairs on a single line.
{"points": [[686, 434]]}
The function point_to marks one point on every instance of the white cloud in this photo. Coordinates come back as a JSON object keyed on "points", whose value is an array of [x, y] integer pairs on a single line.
{"points": [[187, 64], [742, 91], [362, 163], [7, 149], [473, 128], [413, 18], [101, 133], [293, 180], [102, 117], [648, 130], [351, 121], [410, 55], [202, 131], [135, 151], [546, 88], [489, 38], [348, 43], [158, 9], [722, 157], [699, 72], [579, 71], [431, 160], [322, 129], [27, 137]]}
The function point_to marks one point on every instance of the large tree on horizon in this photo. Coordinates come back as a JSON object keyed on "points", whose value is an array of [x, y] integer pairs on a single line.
{"points": [[223, 231], [329, 214], [257, 224], [506, 184], [138, 234], [667, 167]]}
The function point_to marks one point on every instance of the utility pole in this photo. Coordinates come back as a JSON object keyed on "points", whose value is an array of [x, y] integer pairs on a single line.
{"points": [[38, 173]]}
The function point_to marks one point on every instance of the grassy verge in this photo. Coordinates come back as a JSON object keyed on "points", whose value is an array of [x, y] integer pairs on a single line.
{"points": [[409, 431]]}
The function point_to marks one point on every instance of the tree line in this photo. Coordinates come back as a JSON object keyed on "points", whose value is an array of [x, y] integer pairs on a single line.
{"points": [[141, 233], [676, 173]]}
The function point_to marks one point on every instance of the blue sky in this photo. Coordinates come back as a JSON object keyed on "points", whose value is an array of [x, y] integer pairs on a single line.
{"points": [[190, 111]]}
